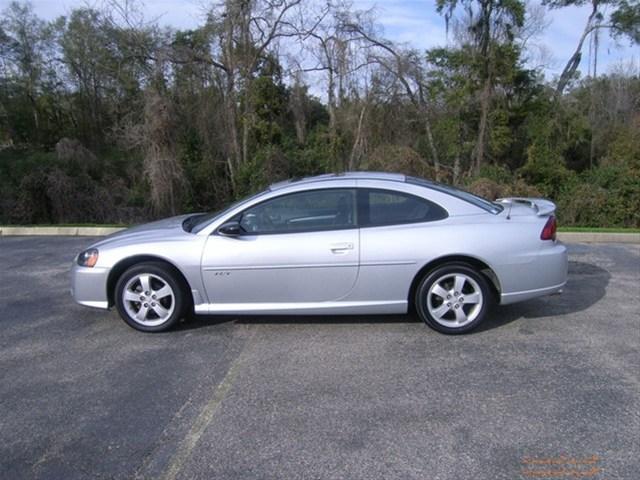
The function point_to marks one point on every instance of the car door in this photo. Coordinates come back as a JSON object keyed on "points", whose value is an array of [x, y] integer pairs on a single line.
{"points": [[298, 247]]}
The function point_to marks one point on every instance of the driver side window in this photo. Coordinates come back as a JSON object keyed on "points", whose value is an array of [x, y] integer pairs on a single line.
{"points": [[313, 210]]}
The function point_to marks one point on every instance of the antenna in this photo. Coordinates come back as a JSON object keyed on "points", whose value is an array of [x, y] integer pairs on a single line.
{"points": [[509, 211]]}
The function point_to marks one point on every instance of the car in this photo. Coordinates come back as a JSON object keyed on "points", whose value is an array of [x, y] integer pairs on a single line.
{"points": [[348, 243]]}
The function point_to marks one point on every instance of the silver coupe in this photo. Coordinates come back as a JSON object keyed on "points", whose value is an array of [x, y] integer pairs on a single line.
{"points": [[351, 243]]}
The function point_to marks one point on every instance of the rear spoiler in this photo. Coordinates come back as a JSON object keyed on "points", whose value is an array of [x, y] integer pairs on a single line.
{"points": [[541, 206]]}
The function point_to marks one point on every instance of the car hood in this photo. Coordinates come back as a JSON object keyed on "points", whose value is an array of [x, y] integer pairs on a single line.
{"points": [[160, 229]]}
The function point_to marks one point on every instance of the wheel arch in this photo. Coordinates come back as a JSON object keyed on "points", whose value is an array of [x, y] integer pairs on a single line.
{"points": [[482, 267], [119, 268]]}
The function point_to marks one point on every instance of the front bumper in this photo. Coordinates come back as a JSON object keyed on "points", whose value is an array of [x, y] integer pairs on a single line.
{"points": [[89, 286]]}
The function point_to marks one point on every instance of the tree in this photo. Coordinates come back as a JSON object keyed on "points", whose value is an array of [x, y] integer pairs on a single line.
{"points": [[241, 34], [156, 120], [492, 25], [407, 67], [23, 39], [338, 50], [623, 20]]}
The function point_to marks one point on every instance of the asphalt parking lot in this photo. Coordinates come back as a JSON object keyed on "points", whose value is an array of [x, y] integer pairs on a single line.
{"points": [[548, 386]]}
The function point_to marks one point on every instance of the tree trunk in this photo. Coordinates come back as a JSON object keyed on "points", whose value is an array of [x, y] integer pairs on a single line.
{"points": [[358, 139], [432, 146], [299, 115], [423, 108], [246, 122], [230, 103], [485, 95], [574, 62], [233, 148], [333, 133], [456, 169], [485, 103]]}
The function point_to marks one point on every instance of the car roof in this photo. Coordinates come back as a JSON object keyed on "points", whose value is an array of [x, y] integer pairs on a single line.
{"points": [[393, 177]]}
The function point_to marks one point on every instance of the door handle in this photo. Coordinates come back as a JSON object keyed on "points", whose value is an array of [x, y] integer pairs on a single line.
{"points": [[341, 247]]}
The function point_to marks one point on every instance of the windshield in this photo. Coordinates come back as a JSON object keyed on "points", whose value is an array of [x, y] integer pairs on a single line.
{"points": [[196, 223], [480, 202]]}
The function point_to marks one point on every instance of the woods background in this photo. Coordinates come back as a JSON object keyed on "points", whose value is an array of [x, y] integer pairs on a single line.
{"points": [[108, 117]]}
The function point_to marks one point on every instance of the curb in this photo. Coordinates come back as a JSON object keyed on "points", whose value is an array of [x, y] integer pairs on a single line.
{"points": [[598, 237], [569, 237], [67, 231]]}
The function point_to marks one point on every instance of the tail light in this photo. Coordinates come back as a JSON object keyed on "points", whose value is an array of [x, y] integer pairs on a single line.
{"points": [[549, 230]]}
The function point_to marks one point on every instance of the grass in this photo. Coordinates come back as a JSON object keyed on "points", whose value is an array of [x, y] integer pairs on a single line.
{"points": [[599, 229]]}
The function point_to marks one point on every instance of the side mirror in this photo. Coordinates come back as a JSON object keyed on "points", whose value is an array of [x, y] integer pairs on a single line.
{"points": [[230, 229]]}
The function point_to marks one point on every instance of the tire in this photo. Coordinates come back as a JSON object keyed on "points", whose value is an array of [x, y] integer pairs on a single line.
{"points": [[150, 297], [453, 298]]}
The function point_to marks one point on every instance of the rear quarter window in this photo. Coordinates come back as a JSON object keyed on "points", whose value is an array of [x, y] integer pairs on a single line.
{"points": [[483, 203], [387, 207]]}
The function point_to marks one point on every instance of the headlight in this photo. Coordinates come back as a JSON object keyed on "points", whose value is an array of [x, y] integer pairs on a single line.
{"points": [[88, 258]]}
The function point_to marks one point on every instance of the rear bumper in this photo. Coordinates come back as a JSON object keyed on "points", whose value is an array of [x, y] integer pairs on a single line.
{"points": [[549, 271], [507, 298], [89, 286]]}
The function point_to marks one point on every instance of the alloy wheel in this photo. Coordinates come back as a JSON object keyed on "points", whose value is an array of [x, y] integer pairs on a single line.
{"points": [[148, 299], [454, 300]]}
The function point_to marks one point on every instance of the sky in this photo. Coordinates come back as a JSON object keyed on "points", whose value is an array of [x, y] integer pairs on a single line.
{"points": [[415, 22]]}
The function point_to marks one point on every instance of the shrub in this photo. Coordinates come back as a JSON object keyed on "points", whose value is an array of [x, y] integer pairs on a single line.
{"points": [[490, 189], [549, 176], [519, 188], [583, 205], [486, 188], [399, 158], [497, 173], [45, 187], [606, 196]]}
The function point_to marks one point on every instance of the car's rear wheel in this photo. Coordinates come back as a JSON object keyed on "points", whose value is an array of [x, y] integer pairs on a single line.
{"points": [[149, 297], [453, 298]]}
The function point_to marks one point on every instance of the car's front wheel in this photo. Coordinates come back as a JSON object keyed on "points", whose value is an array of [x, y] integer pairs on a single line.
{"points": [[149, 297], [453, 298]]}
